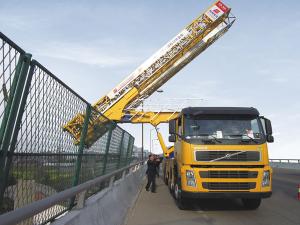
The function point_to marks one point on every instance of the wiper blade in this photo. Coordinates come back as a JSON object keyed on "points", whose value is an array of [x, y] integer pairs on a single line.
{"points": [[242, 135], [209, 135], [212, 141]]}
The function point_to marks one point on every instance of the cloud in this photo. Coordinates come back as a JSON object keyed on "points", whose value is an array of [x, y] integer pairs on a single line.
{"points": [[284, 61], [279, 80], [76, 52], [14, 22], [272, 76], [264, 71]]}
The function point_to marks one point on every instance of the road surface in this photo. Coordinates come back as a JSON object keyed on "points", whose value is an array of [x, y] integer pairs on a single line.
{"points": [[282, 208]]}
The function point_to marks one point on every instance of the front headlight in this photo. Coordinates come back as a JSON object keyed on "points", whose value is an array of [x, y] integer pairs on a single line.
{"points": [[191, 183], [190, 178], [266, 179], [190, 174]]}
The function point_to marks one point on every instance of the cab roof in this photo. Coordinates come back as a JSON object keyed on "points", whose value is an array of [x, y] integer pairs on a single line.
{"points": [[198, 111]]}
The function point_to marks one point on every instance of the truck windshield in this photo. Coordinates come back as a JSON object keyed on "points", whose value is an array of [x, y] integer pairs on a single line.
{"points": [[223, 130]]}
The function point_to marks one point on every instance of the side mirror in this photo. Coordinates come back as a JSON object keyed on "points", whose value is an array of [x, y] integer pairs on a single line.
{"points": [[268, 126], [270, 138], [172, 138], [172, 127]]}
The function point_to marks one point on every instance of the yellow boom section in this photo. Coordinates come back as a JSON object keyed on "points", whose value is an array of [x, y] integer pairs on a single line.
{"points": [[159, 68], [167, 151], [154, 118]]}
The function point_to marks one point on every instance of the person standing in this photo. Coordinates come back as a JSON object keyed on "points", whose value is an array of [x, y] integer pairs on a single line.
{"points": [[151, 173]]}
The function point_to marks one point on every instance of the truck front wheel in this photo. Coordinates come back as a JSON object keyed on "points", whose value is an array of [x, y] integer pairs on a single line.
{"points": [[251, 203], [180, 201]]}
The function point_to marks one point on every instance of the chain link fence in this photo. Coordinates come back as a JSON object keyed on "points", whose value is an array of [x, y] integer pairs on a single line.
{"points": [[38, 157], [9, 55]]}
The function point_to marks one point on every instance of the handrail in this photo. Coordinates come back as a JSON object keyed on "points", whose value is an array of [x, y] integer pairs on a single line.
{"points": [[34, 208]]}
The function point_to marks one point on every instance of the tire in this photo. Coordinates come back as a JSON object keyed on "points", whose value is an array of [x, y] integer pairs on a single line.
{"points": [[166, 179], [165, 175], [180, 201], [171, 186], [251, 203], [170, 183]]}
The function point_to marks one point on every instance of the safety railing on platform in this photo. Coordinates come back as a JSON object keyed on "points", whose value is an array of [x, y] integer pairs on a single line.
{"points": [[37, 157]]}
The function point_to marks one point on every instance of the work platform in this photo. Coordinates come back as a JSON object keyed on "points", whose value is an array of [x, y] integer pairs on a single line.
{"points": [[160, 208]]}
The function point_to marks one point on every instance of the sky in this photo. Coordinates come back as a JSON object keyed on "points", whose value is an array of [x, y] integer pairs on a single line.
{"points": [[93, 45]]}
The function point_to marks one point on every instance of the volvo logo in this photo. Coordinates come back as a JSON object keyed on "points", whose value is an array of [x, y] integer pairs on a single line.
{"points": [[227, 156]]}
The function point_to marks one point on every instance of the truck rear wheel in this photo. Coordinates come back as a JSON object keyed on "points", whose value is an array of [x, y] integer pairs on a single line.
{"points": [[166, 178], [170, 182], [170, 185], [251, 203]]}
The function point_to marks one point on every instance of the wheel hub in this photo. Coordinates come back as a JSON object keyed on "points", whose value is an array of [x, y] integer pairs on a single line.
{"points": [[176, 191], [172, 186]]}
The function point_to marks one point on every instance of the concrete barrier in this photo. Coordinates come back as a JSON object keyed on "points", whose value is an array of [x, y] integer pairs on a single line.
{"points": [[110, 206]]}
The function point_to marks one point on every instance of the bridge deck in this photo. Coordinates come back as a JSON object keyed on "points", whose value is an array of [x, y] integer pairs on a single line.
{"points": [[160, 209]]}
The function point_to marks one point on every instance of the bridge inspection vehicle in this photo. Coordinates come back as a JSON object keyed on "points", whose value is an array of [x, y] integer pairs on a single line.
{"points": [[204, 162]]}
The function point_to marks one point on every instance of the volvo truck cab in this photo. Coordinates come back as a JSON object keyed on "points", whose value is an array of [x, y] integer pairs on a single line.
{"points": [[220, 152]]}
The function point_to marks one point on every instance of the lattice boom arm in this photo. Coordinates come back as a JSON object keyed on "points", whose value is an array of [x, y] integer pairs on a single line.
{"points": [[154, 118], [161, 66], [199, 31]]}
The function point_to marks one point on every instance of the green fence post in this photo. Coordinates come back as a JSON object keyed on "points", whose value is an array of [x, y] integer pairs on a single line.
{"points": [[80, 149], [127, 151], [120, 149], [10, 98], [130, 150], [111, 128], [18, 121], [12, 117]]}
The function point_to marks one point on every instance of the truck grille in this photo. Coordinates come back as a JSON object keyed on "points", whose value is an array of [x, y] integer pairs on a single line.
{"points": [[228, 174], [229, 185], [251, 156]]}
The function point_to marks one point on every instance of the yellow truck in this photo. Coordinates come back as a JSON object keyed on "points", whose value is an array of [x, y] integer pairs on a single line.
{"points": [[219, 152]]}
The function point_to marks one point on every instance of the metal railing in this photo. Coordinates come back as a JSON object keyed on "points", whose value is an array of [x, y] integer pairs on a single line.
{"points": [[285, 160], [285, 163], [35, 208], [37, 157]]}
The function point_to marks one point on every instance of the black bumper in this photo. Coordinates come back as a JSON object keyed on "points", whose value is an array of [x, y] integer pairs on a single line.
{"points": [[226, 194]]}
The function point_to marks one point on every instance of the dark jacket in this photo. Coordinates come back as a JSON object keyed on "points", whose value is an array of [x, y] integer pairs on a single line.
{"points": [[152, 167]]}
